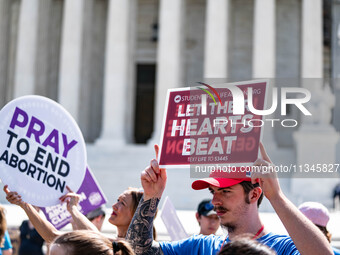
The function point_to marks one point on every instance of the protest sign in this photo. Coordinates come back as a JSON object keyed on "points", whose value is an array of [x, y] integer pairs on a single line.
{"points": [[91, 195], [172, 222], [42, 150], [213, 125]]}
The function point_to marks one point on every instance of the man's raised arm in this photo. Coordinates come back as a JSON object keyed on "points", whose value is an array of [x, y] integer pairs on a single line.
{"points": [[307, 238], [140, 233]]}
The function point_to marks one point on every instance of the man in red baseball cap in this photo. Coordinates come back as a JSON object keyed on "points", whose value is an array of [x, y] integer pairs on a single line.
{"points": [[236, 203]]}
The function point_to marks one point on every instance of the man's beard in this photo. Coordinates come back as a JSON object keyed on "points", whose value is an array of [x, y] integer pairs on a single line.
{"points": [[229, 227], [232, 226]]}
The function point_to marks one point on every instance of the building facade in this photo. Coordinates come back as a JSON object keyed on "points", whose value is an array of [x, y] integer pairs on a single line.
{"points": [[110, 62]]}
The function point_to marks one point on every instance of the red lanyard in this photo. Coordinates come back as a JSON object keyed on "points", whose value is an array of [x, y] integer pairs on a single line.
{"points": [[256, 235], [258, 232]]}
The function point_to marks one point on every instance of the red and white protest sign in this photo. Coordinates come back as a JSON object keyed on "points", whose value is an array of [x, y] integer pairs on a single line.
{"points": [[204, 125]]}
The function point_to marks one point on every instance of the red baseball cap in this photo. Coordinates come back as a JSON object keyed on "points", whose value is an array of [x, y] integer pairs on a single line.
{"points": [[217, 179]]}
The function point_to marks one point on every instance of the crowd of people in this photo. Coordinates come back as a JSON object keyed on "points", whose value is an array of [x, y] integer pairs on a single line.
{"points": [[234, 206]]}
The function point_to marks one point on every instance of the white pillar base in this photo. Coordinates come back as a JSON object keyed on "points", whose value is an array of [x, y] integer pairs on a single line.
{"points": [[315, 145], [105, 142], [313, 189]]}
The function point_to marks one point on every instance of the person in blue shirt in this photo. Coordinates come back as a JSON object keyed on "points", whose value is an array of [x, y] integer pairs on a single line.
{"points": [[5, 241], [6, 249], [236, 203]]}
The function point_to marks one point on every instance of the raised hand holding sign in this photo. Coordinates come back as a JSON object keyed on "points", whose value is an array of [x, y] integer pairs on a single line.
{"points": [[153, 179]]}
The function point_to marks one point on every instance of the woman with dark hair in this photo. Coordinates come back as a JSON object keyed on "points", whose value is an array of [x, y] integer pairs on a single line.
{"points": [[124, 209], [85, 242]]}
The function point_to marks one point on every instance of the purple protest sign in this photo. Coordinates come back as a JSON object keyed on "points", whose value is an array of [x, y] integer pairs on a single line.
{"points": [[91, 198]]}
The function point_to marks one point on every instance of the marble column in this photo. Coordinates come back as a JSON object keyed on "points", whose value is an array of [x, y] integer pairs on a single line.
{"points": [[4, 21], [169, 57], [312, 39], [24, 80], [118, 80], [216, 39], [71, 56], [264, 39], [264, 55]]}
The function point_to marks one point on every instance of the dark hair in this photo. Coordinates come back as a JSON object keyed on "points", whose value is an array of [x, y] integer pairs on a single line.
{"points": [[101, 215], [204, 207], [122, 248], [246, 246], [137, 195], [100, 211], [325, 231], [247, 187], [85, 242]]}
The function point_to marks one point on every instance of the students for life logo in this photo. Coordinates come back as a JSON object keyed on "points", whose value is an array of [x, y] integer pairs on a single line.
{"points": [[177, 99]]}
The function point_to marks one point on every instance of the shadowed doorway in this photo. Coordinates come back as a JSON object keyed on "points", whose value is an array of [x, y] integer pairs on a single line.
{"points": [[145, 95]]}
